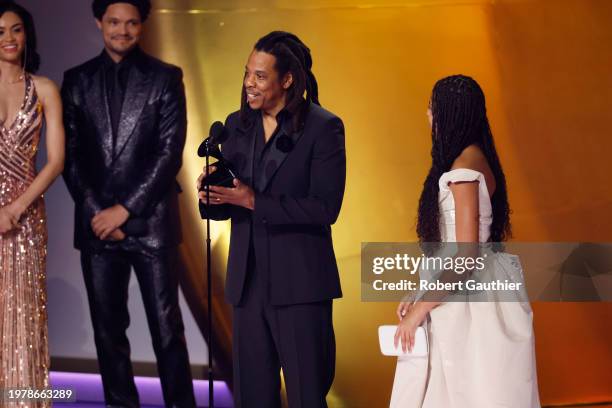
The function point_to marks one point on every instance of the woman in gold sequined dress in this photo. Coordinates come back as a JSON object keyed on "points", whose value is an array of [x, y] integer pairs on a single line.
{"points": [[25, 102]]}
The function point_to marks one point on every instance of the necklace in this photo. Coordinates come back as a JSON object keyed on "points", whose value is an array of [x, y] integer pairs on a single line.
{"points": [[15, 81]]}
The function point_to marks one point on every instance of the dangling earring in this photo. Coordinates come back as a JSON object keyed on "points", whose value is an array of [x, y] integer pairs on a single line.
{"points": [[23, 68], [25, 62]]}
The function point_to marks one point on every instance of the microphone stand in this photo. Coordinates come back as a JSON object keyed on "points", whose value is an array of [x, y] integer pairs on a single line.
{"points": [[211, 395]]}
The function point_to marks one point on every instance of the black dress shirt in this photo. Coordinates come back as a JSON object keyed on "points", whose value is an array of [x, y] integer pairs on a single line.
{"points": [[262, 148], [116, 77]]}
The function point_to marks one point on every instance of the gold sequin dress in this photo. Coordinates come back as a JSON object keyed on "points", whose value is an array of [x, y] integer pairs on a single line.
{"points": [[24, 355]]}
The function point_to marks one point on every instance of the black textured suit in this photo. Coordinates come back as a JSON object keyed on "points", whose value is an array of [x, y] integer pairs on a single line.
{"points": [[282, 273], [135, 166]]}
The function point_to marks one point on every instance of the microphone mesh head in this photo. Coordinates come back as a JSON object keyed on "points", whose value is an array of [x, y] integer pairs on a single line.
{"points": [[216, 130], [217, 135]]}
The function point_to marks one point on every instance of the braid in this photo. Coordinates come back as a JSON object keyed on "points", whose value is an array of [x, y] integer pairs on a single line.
{"points": [[312, 88], [301, 54], [459, 120]]}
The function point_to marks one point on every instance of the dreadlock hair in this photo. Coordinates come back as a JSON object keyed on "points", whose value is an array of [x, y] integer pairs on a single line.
{"points": [[292, 56], [31, 56], [460, 120]]}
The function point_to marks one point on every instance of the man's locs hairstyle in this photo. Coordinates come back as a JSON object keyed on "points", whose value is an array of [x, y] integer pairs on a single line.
{"points": [[98, 7], [292, 56], [30, 56], [460, 120]]}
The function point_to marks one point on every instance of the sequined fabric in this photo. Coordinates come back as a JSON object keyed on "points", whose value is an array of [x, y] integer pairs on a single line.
{"points": [[24, 356]]}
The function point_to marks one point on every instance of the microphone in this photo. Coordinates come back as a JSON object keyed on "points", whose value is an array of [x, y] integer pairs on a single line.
{"points": [[217, 135], [225, 174]]}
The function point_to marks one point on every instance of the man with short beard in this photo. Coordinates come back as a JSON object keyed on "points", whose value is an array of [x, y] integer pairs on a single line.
{"points": [[125, 131]]}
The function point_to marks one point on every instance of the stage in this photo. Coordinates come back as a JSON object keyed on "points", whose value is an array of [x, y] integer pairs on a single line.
{"points": [[89, 394]]}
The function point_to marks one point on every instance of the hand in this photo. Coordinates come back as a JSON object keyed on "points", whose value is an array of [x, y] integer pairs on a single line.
{"points": [[211, 170], [406, 303], [415, 314], [402, 309], [108, 220], [15, 210], [241, 195], [116, 235], [6, 222]]}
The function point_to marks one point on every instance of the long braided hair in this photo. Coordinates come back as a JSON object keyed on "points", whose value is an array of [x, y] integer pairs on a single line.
{"points": [[460, 120], [292, 55]]}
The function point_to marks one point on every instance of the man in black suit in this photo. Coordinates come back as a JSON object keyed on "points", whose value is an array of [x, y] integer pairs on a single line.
{"points": [[125, 128], [282, 274]]}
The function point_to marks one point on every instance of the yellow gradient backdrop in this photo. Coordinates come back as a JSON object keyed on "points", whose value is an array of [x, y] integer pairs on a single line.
{"points": [[544, 67]]}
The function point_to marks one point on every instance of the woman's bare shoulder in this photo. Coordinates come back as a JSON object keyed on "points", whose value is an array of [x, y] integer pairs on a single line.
{"points": [[472, 157], [46, 88]]}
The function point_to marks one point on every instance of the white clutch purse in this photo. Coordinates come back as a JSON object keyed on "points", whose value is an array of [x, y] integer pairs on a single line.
{"points": [[386, 336]]}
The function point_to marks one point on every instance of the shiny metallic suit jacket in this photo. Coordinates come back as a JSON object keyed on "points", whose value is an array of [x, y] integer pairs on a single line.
{"points": [[301, 194], [138, 167]]}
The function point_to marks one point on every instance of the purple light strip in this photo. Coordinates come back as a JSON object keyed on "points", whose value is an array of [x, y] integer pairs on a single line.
{"points": [[88, 388]]}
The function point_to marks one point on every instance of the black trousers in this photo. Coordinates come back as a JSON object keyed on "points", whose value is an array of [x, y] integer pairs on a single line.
{"points": [[107, 274], [298, 338]]}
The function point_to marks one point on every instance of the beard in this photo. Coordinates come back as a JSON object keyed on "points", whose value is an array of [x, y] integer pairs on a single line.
{"points": [[122, 47]]}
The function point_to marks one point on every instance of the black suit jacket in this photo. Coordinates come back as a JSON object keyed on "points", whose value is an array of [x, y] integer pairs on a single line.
{"points": [[140, 170], [300, 198]]}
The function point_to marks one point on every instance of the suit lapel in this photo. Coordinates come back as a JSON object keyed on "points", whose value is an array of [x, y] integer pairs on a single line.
{"points": [[135, 99], [246, 145], [96, 100], [275, 157]]}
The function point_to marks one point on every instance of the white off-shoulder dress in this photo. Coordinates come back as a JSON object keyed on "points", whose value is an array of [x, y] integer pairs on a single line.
{"points": [[481, 354]]}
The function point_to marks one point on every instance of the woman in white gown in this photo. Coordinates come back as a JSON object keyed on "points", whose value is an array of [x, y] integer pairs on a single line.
{"points": [[481, 354]]}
